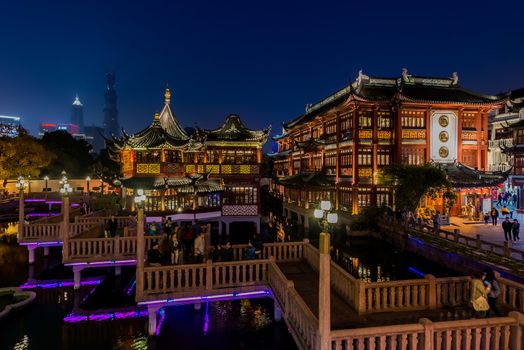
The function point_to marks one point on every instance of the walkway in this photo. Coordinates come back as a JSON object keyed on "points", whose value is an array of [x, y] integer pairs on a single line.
{"points": [[490, 233], [343, 316]]}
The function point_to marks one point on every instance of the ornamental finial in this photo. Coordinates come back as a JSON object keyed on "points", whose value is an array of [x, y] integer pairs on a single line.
{"points": [[157, 116], [167, 96]]}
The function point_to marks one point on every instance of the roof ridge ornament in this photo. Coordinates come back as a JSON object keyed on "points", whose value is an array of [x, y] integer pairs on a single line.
{"points": [[167, 95], [406, 77], [157, 116], [361, 77], [454, 78]]}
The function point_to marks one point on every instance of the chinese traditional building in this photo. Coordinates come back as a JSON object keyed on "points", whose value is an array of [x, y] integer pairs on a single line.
{"points": [[336, 149], [213, 174]]}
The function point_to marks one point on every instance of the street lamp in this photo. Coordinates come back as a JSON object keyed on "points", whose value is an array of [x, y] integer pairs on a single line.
{"points": [[46, 179], [325, 219], [65, 190], [140, 250], [88, 181], [21, 184]]}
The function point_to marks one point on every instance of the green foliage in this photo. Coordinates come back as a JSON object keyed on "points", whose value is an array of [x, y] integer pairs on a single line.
{"points": [[412, 182], [369, 218], [22, 155], [106, 202], [104, 167], [73, 156]]}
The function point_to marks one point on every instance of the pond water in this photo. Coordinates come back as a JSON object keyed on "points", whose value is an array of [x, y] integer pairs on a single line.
{"points": [[239, 324]]}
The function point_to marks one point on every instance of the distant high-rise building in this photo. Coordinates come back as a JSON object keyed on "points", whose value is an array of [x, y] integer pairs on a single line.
{"points": [[96, 139], [111, 125], [9, 126], [77, 114]]}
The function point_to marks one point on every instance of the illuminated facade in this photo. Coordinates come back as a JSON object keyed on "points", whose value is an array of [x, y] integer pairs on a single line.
{"points": [[214, 170], [9, 126], [336, 149]]}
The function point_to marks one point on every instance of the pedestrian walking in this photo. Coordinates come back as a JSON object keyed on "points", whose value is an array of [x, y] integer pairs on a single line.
{"points": [[493, 291], [436, 222], [515, 230], [494, 213], [479, 295], [506, 227], [112, 225]]}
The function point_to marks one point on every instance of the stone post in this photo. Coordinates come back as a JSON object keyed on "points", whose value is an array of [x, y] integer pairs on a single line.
{"points": [[31, 253], [456, 232], [428, 333], [152, 318], [360, 297], [65, 226], [324, 287], [431, 291], [21, 213], [507, 252], [209, 275], [77, 276], [140, 250], [479, 243], [516, 341]]}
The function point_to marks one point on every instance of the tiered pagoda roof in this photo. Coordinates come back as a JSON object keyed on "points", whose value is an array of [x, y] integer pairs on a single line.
{"points": [[199, 184], [164, 132], [234, 130], [408, 88], [463, 176]]}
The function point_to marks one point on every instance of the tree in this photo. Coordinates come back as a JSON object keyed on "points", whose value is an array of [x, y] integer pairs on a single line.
{"points": [[412, 182], [73, 156], [22, 155]]}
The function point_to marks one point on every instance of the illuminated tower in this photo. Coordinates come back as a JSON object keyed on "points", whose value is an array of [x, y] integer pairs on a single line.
{"points": [[77, 114], [111, 125]]}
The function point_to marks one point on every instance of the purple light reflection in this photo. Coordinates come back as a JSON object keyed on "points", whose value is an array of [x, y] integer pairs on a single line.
{"points": [[206, 320], [59, 284], [160, 321], [118, 315], [34, 200], [42, 214], [230, 296]]}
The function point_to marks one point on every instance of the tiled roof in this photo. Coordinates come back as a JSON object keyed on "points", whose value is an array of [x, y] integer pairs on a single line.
{"points": [[234, 130]]}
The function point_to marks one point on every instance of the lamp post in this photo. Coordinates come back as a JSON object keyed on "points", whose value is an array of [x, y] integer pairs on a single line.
{"points": [[46, 179], [140, 246], [21, 184], [88, 181], [65, 191], [325, 218]]}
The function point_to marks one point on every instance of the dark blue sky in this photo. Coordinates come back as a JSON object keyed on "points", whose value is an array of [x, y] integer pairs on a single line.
{"points": [[264, 60]]}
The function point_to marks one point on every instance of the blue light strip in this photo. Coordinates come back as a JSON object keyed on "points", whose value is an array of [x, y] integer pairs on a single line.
{"points": [[416, 272]]}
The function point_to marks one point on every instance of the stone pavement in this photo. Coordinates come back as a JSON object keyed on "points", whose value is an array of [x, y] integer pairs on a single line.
{"points": [[490, 233], [343, 316]]}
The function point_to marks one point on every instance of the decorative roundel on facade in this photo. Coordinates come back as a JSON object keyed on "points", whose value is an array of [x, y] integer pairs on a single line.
{"points": [[443, 136], [443, 121], [443, 152]]}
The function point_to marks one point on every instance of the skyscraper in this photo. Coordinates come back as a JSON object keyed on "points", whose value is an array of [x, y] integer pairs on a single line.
{"points": [[77, 114], [111, 125]]}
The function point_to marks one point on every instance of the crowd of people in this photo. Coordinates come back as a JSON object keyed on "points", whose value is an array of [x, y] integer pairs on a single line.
{"points": [[484, 293]]}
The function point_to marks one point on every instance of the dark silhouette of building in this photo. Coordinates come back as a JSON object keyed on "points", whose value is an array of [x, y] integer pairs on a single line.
{"points": [[95, 137], [77, 114], [111, 125]]}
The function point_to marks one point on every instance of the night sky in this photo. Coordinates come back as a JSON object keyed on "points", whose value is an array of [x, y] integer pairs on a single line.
{"points": [[264, 60]]}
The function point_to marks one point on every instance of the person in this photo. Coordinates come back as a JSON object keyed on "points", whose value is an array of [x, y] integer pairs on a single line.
{"points": [[499, 199], [493, 291], [112, 225], [249, 252], [227, 252], [505, 211], [494, 213], [515, 227], [164, 246], [486, 218], [436, 222], [199, 248], [168, 226], [187, 239], [506, 227], [479, 295], [153, 256], [175, 244], [153, 229], [216, 253]]}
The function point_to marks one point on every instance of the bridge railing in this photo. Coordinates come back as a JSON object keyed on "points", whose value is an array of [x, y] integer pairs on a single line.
{"points": [[396, 295], [41, 232], [511, 294], [288, 251], [499, 333], [503, 250]]}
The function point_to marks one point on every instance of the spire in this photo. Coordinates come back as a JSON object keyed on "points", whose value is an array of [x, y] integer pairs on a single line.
{"points": [[167, 95], [77, 102]]}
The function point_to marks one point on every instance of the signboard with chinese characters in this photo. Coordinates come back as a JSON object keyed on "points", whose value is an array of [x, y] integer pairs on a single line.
{"points": [[443, 131]]}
